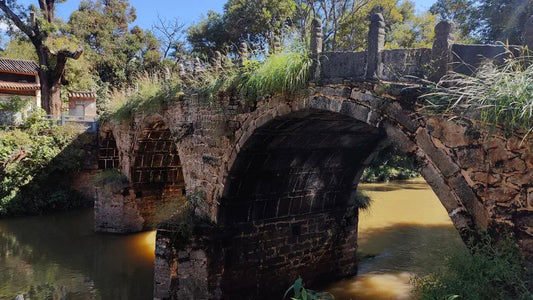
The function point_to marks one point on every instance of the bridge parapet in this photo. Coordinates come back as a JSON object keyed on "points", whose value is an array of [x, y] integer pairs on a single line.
{"points": [[406, 65]]}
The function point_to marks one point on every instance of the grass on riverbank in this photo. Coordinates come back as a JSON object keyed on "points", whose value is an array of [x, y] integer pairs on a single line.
{"points": [[493, 270]]}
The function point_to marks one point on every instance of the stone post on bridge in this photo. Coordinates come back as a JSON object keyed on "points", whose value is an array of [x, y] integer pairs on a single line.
{"points": [[441, 53], [528, 34], [316, 48], [376, 42]]}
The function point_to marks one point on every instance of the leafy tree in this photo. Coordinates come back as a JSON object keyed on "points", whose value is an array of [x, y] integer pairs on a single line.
{"points": [[345, 23], [501, 20], [117, 53], [487, 21], [20, 48], [415, 31], [255, 22], [459, 11], [53, 48], [209, 35]]}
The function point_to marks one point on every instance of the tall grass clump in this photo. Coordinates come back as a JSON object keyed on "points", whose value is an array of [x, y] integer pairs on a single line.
{"points": [[497, 94], [285, 72], [148, 95], [493, 270]]}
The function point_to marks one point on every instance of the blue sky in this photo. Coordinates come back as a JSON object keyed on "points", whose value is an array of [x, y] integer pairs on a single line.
{"points": [[188, 11]]}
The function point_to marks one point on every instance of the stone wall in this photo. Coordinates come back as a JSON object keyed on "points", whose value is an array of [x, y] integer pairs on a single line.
{"points": [[232, 153]]}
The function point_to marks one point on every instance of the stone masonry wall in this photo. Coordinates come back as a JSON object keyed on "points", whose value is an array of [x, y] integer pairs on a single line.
{"points": [[454, 157]]}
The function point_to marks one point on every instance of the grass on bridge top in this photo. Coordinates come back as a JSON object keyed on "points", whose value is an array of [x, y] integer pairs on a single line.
{"points": [[285, 72], [499, 94]]}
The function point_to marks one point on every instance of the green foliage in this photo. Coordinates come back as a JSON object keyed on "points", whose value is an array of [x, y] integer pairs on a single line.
{"points": [[208, 35], [118, 55], [482, 21], [499, 94], [362, 200], [111, 180], [255, 22], [14, 104], [19, 48], [390, 164], [150, 95], [492, 271], [37, 160], [416, 31], [282, 73], [301, 293]]}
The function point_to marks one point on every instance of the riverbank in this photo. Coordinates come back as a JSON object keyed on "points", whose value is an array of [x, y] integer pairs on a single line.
{"points": [[45, 167]]}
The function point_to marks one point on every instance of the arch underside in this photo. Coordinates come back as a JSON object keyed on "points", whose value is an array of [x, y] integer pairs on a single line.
{"points": [[157, 176], [289, 200], [108, 157]]}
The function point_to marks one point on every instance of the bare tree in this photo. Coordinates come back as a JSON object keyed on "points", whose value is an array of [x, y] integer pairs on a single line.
{"points": [[52, 62], [169, 33]]}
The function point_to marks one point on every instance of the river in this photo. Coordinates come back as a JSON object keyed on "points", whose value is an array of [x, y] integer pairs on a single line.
{"points": [[406, 231]]}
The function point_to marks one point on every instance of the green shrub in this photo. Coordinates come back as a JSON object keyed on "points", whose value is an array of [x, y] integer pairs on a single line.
{"points": [[499, 94], [37, 161], [301, 293], [493, 270]]}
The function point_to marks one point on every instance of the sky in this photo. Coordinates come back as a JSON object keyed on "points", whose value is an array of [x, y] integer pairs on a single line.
{"points": [[187, 11]]}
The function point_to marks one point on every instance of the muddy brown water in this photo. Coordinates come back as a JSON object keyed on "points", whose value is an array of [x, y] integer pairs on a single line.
{"points": [[406, 231]]}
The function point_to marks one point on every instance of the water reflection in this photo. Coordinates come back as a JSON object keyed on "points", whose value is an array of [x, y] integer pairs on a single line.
{"points": [[406, 231], [59, 257]]}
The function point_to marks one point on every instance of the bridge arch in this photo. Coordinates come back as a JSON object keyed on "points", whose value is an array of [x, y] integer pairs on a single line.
{"points": [[156, 171], [289, 192]]}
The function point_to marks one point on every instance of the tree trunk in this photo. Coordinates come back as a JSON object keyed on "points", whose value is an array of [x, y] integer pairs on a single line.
{"points": [[50, 95], [45, 92], [56, 104]]}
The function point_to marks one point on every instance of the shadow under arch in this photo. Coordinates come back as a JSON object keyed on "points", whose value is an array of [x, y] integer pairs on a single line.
{"points": [[289, 201], [156, 172]]}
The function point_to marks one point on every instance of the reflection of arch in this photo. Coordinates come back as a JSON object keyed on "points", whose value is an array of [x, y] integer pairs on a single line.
{"points": [[156, 171], [290, 197], [108, 157]]}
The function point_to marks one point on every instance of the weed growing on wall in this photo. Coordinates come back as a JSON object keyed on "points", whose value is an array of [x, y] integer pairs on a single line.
{"points": [[497, 94]]}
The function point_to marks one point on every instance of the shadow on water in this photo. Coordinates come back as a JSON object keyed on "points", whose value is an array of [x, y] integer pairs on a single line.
{"points": [[61, 255], [390, 256], [396, 186]]}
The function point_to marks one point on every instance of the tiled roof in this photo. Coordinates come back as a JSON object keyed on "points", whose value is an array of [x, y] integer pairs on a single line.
{"points": [[19, 86], [84, 94], [18, 66]]}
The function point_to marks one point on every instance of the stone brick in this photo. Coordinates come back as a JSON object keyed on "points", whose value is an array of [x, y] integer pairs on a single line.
{"points": [[441, 160]]}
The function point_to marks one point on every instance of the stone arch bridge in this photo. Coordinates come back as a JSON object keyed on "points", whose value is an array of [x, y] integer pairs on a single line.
{"points": [[272, 185]]}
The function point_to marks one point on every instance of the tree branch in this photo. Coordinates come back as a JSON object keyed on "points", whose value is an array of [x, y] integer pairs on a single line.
{"points": [[16, 19], [61, 57]]}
